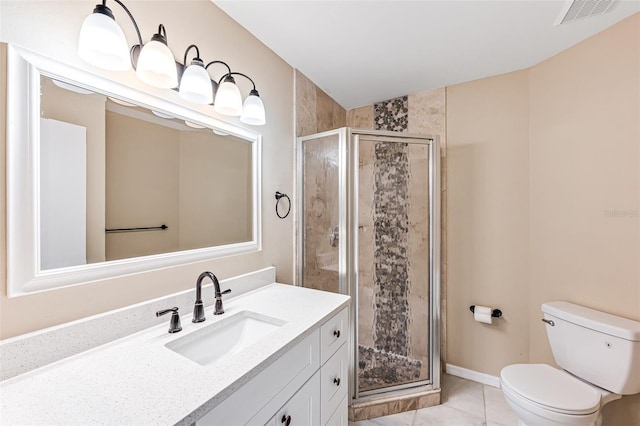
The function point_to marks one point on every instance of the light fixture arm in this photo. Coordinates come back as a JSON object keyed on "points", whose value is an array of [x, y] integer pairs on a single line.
{"points": [[245, 76], [135, 24], [220, 62], [186, 52]]}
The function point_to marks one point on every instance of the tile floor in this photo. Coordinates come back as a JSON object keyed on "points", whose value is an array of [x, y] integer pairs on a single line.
{"points": [[464, 403]]}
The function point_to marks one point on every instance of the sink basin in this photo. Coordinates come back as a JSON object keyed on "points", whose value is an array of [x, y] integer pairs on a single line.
{"points": [[225, 338]]}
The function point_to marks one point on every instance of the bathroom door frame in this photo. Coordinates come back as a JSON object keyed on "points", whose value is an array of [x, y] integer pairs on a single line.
{"points": [[348, 145]]}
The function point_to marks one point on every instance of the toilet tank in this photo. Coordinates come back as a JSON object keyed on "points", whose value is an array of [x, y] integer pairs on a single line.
{"points": [[601, 348]]}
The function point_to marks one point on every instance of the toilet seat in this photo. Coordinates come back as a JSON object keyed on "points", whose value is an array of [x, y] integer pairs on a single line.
{"points": [[550, 389]]}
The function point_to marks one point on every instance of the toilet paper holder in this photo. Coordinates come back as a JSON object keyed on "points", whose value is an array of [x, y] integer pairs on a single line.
{"points": [[495, 313]]}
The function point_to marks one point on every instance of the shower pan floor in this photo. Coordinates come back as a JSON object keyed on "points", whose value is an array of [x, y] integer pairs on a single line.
{"points": [[379, 369]]}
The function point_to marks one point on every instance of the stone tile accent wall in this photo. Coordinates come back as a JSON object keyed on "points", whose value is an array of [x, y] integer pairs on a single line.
{"points": [[392, 115], [391, 226]]}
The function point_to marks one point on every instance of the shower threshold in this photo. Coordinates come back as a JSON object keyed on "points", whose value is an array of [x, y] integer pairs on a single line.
{"points": [[393, 402]]}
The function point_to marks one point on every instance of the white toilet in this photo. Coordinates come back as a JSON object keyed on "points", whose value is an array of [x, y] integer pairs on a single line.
{"points": [[600, 355]]}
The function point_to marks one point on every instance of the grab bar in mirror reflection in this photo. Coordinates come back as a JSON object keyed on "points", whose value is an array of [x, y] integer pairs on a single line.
{"points": [[147, 228]]}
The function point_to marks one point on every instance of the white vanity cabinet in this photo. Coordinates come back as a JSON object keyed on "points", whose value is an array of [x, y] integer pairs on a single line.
{"points": [[306, 386]]}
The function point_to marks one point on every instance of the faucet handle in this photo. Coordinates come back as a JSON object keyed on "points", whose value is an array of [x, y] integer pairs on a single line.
{"points": [[174, 322], [219, 310]]}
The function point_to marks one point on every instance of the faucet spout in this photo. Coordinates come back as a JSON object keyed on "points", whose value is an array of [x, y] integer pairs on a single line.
{"points": [[198, 309]]}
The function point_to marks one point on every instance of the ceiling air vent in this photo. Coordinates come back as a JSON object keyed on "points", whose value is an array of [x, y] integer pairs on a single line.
{"points": [[578, 9]]}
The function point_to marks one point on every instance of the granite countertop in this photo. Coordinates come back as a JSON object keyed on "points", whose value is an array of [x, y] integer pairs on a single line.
{"points": [[137, 380]]}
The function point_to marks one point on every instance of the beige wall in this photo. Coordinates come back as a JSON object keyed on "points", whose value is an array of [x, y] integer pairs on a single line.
{"points": [[29, 24], [86, 111], [584, 144], [218, 212], [143, 186], [195, 182], [585, 185], [544, 188], [488, 219]]}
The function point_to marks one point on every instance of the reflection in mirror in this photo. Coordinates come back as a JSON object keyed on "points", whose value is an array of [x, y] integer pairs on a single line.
{"points": [[109, 167]]}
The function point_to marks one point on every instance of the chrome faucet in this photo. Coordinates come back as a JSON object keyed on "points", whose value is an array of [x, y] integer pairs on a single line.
{"points": [[198, 309]]}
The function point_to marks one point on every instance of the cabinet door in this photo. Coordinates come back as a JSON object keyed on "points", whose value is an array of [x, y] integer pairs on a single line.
{"points": [[303, 409]]}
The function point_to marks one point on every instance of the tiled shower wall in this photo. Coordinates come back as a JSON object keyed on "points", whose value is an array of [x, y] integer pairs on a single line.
{"points": [[419, 113], [315, 110], [392, 335]]}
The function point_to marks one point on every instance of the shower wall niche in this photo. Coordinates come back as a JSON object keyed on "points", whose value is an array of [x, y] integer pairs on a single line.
{"points": [[369, 227]]}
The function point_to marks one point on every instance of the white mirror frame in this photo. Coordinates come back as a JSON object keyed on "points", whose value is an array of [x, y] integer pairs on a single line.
{"points": [[24, 275]]}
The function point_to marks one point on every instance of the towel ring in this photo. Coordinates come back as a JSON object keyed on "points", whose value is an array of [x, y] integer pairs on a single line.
{"points": [[279, 196]]}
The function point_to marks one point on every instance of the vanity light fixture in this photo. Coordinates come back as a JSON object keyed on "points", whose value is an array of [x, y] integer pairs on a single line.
{"points": [[228, 98], [253, 107], [121, 102], [156, 65], [102, 44], [161, 114], [195, 85], [71, 87], [194, 125]]}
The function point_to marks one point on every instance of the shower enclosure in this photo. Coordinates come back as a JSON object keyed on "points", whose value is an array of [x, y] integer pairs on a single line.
{"points": [[369, 226]]}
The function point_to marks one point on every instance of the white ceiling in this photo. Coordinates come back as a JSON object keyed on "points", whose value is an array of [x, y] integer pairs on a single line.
{"points": [[361, 52]]}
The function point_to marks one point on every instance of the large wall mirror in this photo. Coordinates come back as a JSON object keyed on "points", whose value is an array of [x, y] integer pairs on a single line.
{"points": [[104, 180]]}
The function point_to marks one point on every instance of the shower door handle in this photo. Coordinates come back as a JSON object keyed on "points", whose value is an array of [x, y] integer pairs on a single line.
{"points": [[334, 237]]}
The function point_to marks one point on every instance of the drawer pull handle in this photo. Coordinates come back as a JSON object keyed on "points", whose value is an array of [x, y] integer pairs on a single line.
{"points": [[337, 334], [286, 420], [337, 381]]}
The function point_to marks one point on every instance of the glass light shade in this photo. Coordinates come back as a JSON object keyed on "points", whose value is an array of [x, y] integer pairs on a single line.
{"points": [[156, 66], [253, 110], [102, 43], [228, 99], [195, 85], [193, 125]]}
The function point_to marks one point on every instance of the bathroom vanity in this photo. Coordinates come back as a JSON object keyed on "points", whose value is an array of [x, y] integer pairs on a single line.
{"points": [[278, 356]]}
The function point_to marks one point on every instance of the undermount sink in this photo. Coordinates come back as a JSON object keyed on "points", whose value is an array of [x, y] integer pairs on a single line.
{"points": [[225, 338]]}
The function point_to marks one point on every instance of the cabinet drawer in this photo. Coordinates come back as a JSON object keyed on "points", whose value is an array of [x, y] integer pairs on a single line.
{"points": [[340, 416], [333, 334], [303, 409], [334, 382]]}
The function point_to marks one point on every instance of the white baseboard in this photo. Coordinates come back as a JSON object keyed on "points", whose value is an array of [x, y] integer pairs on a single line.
{"points": [[476, 376]]}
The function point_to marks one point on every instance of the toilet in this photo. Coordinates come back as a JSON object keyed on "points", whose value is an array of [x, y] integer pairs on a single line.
{"points": [[599, 354]]}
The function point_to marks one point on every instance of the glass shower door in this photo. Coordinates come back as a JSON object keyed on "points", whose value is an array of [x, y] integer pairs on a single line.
{"points": [[322, 193], [393, 269]]}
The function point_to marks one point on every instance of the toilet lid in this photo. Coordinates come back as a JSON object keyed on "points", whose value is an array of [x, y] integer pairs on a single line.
{"points": [[554, 389]]}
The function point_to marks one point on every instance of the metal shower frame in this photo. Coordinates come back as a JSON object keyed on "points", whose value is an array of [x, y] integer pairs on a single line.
{"points": [[348, 147]]}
